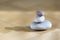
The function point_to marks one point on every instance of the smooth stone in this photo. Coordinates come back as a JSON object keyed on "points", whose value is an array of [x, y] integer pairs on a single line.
{"points": [[39, 19], [41, 26]]}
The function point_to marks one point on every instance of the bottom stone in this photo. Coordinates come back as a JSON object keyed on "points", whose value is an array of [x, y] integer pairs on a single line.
{"points": [[41, 26]]}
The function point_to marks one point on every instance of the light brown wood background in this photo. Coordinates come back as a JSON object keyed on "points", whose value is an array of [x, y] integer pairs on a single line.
{"points": [[16, 16]]}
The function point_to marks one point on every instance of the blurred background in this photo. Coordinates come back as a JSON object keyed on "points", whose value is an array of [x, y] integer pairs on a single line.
{"points": [[16, 14]]}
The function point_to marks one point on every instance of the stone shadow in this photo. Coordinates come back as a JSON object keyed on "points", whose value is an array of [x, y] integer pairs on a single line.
{"points": [[23, 29]]}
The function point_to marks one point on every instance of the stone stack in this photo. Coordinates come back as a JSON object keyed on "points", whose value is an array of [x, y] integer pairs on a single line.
{"points": [[40, 23]]}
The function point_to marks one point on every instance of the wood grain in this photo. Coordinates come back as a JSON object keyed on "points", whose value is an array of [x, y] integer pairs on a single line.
{"points": [[16, 16]]}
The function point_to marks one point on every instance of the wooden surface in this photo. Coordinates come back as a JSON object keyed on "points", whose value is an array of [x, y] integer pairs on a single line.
{"points": [[16, 16], [15, 26]]}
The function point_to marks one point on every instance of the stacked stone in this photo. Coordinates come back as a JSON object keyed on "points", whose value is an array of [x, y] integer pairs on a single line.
{"points": [[40, 23]]}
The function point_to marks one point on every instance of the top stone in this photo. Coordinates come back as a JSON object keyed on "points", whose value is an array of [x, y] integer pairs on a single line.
{"points": [[40, 13], [39, 16]]}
